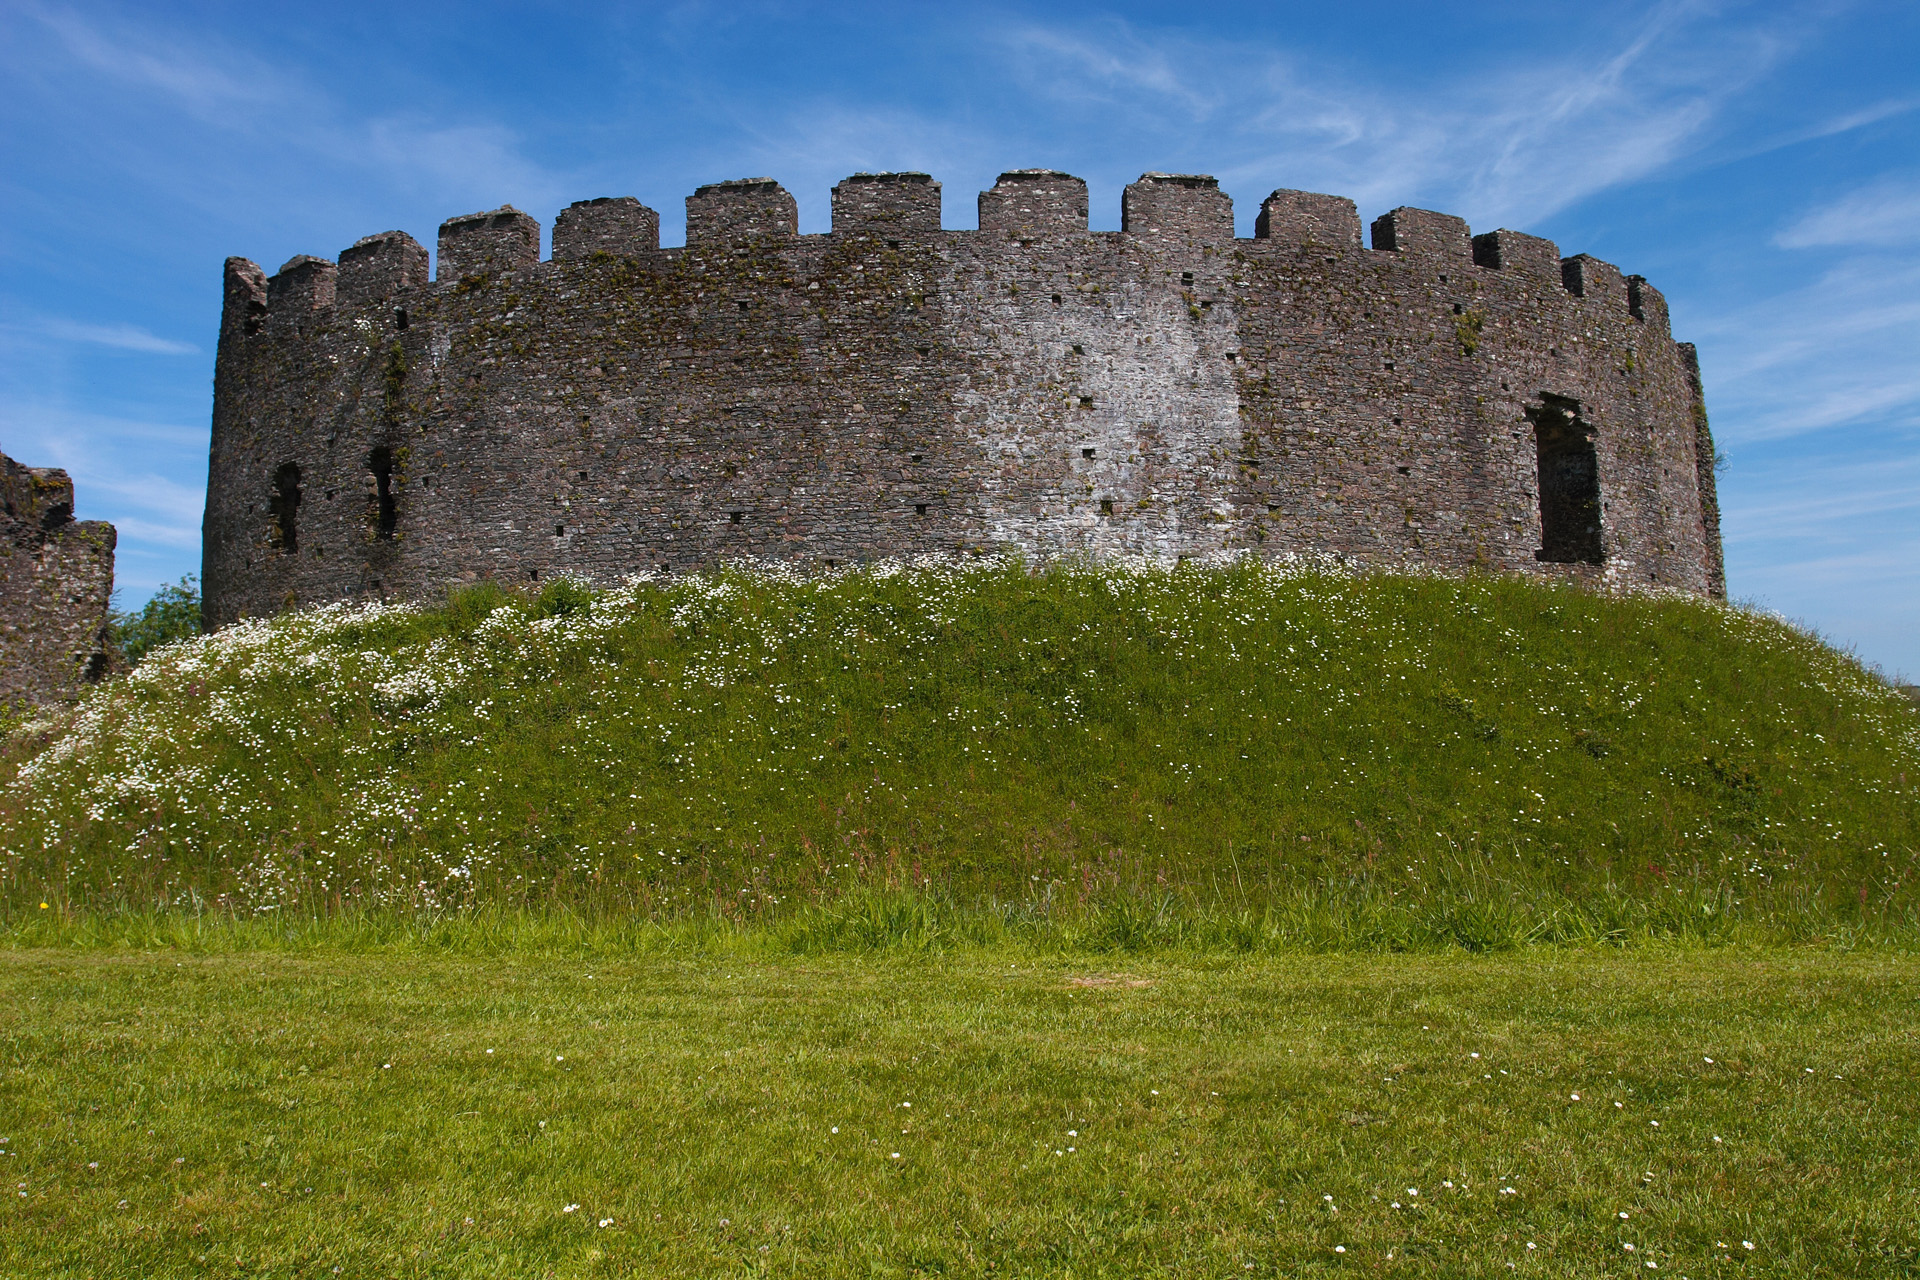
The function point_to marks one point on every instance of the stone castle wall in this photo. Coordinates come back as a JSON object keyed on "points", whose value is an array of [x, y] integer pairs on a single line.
{"points": [[56, 583], [891, 388]]}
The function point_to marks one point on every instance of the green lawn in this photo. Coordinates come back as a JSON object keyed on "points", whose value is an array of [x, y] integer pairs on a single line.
{"points": [[990, 1111]]}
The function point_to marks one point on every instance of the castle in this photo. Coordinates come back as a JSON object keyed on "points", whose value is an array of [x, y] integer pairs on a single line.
{"points": [[1439, 400]]}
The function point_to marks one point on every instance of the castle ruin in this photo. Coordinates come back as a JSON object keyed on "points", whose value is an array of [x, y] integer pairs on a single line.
{"points": [[56, 585], [1439, 400]]}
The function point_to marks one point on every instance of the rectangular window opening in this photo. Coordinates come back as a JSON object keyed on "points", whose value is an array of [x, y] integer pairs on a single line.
{"points": [[1569, 483]]}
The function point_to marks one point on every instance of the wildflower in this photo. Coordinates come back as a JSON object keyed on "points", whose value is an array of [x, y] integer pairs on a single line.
{"points": [[896, 1155], [836, 1128], [1339, 1248], [606, 1222], [570, 1208], [1576, 1097], [1627, 1247], [1530, 1245], [95, 1164], [1746, 1244]]}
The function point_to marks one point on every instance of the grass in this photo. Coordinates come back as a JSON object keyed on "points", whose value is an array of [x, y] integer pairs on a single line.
{"points": [[1187, 743], [983, 1111], [964, 919]]}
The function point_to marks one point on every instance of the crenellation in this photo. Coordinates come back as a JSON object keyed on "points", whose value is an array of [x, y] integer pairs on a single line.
{"points": [[1647, 305], [1188, 205], [896, 389], [616, 225], [1032, 203], [1306, 217], [304, 283], [1522, 254], [1600, 283], [1435, 239], [887, 204], [375, 268], [476, 244], [243, 298], [739, 211]]}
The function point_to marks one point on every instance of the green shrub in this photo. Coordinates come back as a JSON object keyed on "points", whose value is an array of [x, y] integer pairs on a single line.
{"points": [[173, 613]]}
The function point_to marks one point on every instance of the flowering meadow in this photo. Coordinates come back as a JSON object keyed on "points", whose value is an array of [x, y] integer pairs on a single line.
{"points": [[1136, 748]]}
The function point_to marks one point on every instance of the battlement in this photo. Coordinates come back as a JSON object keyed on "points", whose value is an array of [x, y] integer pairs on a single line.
{"points": [[1032, 203], [1189, 205], [892, 387], [502, 239], [375, 268], [1423, 236], [1303, 217], [618, 225], [741, 211], [1526, 255], [887, 204]]}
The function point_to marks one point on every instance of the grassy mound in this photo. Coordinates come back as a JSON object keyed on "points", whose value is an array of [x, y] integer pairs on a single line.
{"points": [[1523, 758]]}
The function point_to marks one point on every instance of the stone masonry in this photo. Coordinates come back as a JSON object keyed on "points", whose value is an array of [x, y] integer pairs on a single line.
{"points": [[1440, 400], [56, 582]]}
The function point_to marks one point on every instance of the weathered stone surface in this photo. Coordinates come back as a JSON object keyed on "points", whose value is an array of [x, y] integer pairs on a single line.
{"points": [[891, 388], [56, 582]]}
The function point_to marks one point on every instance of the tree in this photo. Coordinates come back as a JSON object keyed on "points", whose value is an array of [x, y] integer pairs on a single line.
{"points": [[172, 614]]}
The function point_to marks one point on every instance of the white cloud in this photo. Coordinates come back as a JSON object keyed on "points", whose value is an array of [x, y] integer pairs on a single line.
{"points": [[1882, 213], [125, 337], [1496, 145], [1835, 353]]}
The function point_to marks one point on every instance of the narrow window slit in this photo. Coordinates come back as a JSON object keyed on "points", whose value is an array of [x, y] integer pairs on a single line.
{"points": [[285, 506], [386, 509]]}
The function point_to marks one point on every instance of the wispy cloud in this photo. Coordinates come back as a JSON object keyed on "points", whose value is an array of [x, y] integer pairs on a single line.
{"points": [[1494, 143], [1832, 354], [1886, 212], [124, 337]]}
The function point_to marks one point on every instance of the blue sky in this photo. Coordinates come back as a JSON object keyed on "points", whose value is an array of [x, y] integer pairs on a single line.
{"points": [[1759, 163]]}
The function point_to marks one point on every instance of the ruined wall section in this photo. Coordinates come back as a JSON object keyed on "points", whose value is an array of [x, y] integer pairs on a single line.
{"points": [[56, 584], [893, 388]]}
